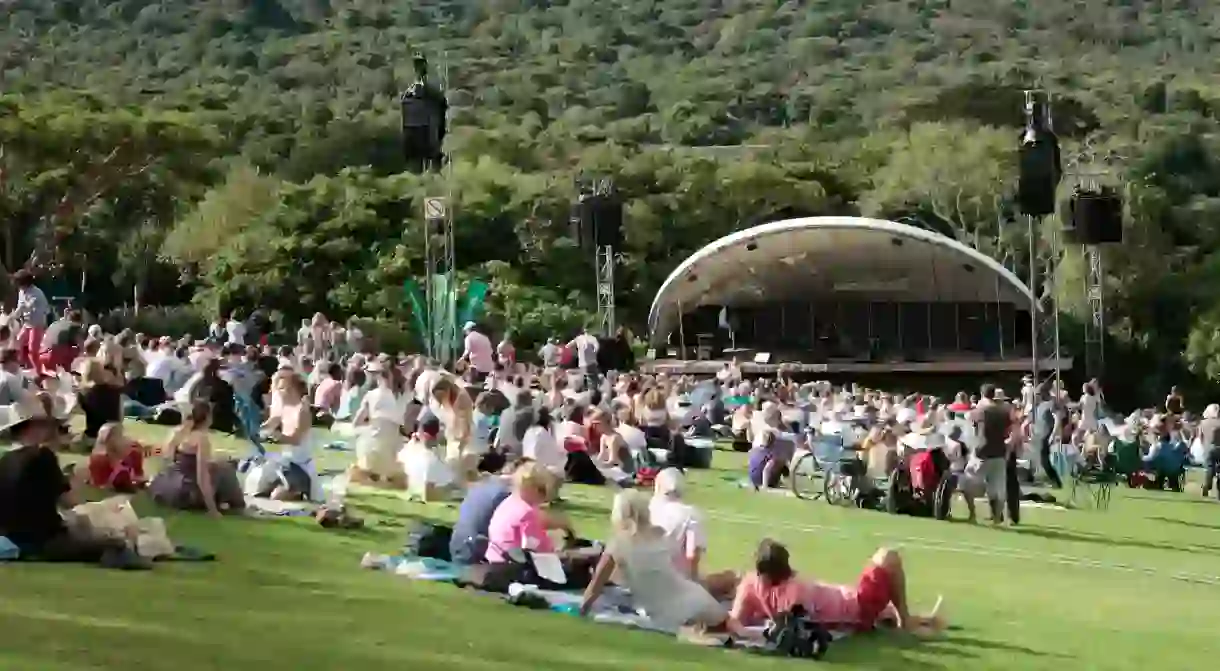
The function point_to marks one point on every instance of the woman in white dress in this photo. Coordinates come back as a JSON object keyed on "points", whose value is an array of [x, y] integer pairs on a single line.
{"points": [[380, 420], [292, 425], [642, 558], [456, 412]]}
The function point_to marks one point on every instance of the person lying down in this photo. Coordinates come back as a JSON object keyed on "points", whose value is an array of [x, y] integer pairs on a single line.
{"points": [[640, 558]]}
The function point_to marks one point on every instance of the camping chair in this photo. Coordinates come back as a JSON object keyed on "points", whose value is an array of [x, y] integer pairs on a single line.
{"points": [[1128, 462], [250, 422], [1092, 485]]}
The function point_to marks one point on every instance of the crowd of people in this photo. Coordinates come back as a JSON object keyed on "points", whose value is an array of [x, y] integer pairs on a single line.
{"points": [[503, 432]]}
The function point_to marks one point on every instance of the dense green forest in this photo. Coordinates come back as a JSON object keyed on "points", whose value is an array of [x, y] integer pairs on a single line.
{"points": [[233, 153]]}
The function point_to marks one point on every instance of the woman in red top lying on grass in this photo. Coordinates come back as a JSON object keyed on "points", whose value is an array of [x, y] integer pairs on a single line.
{"points": [[880, 596], [116, 463]]}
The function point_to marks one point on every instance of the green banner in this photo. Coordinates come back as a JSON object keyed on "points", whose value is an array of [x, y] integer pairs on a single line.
{"points": [[419, 311], [472, 305], [444, 318]]}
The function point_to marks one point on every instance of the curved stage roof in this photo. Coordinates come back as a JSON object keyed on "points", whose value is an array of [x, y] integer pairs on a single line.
{"points": [[811, 257]]}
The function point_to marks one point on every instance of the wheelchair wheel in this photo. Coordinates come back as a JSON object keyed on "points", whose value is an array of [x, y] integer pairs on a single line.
{"points": [[897, 496], [804, 476], [837, 490], [942, 501]]}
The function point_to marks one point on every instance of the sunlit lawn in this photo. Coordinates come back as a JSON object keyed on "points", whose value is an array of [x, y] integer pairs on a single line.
{"points": [[1132, 588]]}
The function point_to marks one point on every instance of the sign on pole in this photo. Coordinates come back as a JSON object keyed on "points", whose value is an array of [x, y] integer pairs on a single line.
{"points": [[434, 208]]}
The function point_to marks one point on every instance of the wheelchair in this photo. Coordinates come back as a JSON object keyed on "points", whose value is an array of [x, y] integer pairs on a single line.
{"points": [[922, 486]]}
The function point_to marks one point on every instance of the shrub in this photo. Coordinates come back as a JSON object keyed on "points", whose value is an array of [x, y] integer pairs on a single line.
{"points": [[173, 320]]}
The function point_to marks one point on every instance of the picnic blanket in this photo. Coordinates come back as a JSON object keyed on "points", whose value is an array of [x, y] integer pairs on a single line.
{"points": [[614, 606]]}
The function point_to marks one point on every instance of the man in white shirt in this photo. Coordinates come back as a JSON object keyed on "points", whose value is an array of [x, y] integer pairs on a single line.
{"points": [[549, 354], [586, 346], [236, 330], [478, 352]]}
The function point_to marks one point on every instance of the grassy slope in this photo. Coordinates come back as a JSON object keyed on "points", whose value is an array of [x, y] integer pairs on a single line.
{"points": [[286, 595]]}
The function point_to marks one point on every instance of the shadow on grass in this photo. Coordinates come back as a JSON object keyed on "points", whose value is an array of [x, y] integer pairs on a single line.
{"points": [[1184, 523], [890, 650], [1111, 541]]}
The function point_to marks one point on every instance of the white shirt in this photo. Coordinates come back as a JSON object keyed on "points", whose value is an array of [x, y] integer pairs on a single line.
{"points": [[169, 369], [540, 445], [237, 332], [586, 349], [1088, 411], [480, 352], [682, 524], [550, 355], [634, 438], [424, 384], [385, 406]]}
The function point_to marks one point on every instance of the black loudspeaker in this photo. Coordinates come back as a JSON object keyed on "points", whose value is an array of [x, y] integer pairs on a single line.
{"points": [[1040, 171], [1095, 217], [597, 221]]}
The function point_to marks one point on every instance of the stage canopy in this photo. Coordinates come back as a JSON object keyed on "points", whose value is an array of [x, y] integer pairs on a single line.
{"points": [[816, 258]]}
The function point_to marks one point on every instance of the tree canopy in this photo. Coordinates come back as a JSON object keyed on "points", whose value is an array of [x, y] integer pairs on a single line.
{"points": [[237, 153]]}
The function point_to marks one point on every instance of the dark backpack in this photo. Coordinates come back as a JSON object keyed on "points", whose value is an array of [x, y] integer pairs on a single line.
{"points": [[428, 540], [795, 634]]}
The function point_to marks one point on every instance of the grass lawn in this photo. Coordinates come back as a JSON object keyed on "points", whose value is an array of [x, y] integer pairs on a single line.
{"points": [[1131, 588]]}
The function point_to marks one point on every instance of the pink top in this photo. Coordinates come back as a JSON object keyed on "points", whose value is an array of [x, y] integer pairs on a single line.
{"points": [[757, 602], [480, 352], [327, 394], [513, 522], [508, 353]]}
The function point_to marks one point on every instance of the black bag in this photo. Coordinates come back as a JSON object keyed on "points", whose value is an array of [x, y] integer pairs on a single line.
{"points": [[428, 540], [795, 634]]}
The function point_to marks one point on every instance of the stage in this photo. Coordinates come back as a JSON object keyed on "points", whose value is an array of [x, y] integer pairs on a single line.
{"points": [[956, 367]]}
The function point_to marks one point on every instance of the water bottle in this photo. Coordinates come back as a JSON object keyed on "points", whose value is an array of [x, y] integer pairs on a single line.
{"points": [[338, 490], [566, 608]]}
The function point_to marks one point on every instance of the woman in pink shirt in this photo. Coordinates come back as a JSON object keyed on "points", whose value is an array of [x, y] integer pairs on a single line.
{"points": [[519, 521], [330, 390], [879, 595]]}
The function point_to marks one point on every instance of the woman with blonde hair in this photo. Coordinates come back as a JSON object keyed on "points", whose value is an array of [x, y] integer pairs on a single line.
{"points": [[641, 556], [116, 463], [100, 397], [456, 411], [292, 424]]}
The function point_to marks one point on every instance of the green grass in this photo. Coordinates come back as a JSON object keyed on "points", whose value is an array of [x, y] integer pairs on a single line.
{"points": [[1074, 589]]}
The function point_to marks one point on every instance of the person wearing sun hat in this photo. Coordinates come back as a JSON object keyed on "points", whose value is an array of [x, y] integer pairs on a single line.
{"points": [[33, 488]]}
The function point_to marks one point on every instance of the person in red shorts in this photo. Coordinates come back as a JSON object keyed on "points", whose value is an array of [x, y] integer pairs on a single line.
{"points": [[880, 595], [61, 342], [116, 463]]}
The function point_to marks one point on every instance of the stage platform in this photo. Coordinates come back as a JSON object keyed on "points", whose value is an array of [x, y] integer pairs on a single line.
{"points": [[833, 367]]}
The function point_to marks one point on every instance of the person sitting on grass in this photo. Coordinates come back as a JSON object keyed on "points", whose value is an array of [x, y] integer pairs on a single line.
{"points": [[772, 448], [33, 490], [641, 555], [683, 526], [116, 463], [192, 480], [519, 522], [381, 415], [291, 425], [880, 595], [468, 545]]}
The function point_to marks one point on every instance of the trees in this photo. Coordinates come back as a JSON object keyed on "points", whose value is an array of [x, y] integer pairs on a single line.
{"points": [[250, 149]]}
